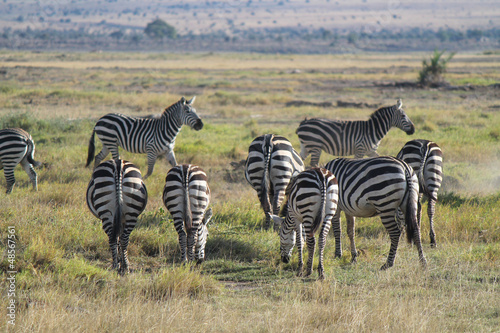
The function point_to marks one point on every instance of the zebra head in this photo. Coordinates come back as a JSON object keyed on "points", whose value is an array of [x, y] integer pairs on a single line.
{"points": [[188, 114], [203, 236], [287, 238], [401, 120]]}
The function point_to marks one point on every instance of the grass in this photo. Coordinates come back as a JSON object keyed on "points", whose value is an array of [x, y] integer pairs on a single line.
{"points": [[64, 281]]}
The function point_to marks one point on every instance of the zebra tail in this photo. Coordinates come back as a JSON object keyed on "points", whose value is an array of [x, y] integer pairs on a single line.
{"points": [[117, 219], [91, 153], [411, 207], [188, 215], [29, 154], [264, 191]]}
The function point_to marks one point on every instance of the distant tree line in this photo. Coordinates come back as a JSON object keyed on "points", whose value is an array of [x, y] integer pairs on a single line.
{"points": [[159, 30]]}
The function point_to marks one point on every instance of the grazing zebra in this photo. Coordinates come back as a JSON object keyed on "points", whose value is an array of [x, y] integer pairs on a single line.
{"points": [[377, 186], [311, 204], [117, 195], [343, 138], [426, 159], [270, 165], [17, 146], [187, 196], [153, 136]]}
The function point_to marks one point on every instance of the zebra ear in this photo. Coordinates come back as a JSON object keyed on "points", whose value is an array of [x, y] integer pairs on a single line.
{"points": [[183, 100], [399, 104], [191, 101], [208, 216]]}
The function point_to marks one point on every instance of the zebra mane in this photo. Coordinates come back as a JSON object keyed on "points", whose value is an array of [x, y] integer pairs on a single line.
{"points": [[173, 107]]}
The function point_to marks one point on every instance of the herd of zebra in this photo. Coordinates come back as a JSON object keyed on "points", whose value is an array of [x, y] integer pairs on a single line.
{"points": [[300, 202]]}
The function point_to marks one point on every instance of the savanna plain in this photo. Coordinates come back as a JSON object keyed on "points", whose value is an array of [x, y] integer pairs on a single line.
{"points": [[64, 281]]}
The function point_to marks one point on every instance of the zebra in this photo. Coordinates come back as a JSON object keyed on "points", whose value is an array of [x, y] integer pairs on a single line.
{"points": [[187, 195], [358, 138], [153, 136], [377, 186], [17, 147], [312, 198], [270, 165], [117, 195], [426, 158]]}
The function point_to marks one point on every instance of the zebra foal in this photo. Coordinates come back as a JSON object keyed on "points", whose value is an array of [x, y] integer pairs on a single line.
{"points": [[117, 195], [270, 165], [17, 147], [377, 186], [186, 195], [151, 136], [426, 159], [311, 204], [358, 138]]}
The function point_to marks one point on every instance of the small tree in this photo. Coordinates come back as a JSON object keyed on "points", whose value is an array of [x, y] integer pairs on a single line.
{"points": [[433, 70], [158, 29]]}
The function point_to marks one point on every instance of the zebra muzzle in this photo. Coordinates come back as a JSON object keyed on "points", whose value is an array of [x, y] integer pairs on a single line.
{"points": [[198, 126]]}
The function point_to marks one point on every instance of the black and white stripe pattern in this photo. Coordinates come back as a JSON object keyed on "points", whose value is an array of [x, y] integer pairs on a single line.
{"points": [[344, 138], [377, 186], [270, 165], [311, 204], [187, 196], [426, 159], [17, 147], [151, 136], [117, 195]]}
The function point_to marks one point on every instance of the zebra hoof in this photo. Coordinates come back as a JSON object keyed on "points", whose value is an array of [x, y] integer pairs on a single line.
{"points": [[385, 266], [433, 245]]}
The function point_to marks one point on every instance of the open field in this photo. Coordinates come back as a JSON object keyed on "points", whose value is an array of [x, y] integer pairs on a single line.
{"points": [[64, 281]]}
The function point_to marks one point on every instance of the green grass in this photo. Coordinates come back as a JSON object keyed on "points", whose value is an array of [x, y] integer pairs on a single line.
{"points": [[65, 282]]}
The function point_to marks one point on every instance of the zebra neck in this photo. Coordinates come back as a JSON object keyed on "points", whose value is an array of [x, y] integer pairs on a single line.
{"points": [[171, 122], [379, 124]]}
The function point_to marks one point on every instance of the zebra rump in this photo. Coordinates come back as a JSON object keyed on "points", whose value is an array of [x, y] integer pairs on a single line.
{"points": [[270, 165], [344, 138], [117, 195], [426, 159], [186, 196], [17, 147], [310, 205], [377, 186]]}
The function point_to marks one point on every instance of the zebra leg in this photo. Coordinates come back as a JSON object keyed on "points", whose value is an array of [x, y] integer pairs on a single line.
{"points": [[31, 173], [430, 212], [350, 233], [321, 248], [311, 247], [170, 156], [101, 156], [337, 232], [390, 224], [113, 245], [151, 163], [300, 248], [124, 263], [9, 177], [191, 242], [315, 155]]}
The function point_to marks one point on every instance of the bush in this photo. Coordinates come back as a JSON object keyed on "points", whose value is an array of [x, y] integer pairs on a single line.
{"points": [[432, 71]]}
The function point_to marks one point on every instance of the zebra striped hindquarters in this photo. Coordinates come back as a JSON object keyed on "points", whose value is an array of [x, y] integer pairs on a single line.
{"points": [[426, 159], [117, 195], [270, 165], [17, 147], [187, 196], [344, 138], [310, 206], [152, 136], [377, 186]]}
